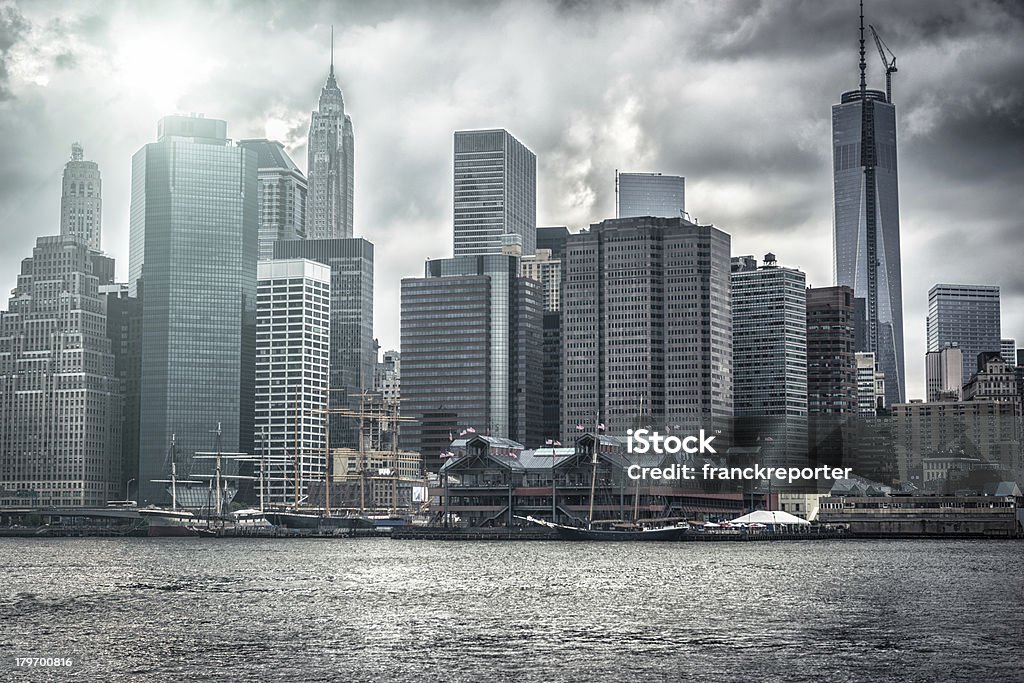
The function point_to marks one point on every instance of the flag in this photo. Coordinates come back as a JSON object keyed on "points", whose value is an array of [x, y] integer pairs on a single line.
{"points": [[579, 428], [447, 454], [548, 442], [463, 432], [470, 430], [450, 437], [558, 443], [600, 427], [768, 438]]}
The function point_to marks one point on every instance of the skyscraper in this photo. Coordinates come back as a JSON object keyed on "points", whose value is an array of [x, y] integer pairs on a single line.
{"points": [[866, 226], [831, 374], [124, 329], [944, 373], [495, 194], [471, 345], [193, 243], [1008, 348], [60, 400], [353, 351], [965, 315], [647, 327], [292, 367], [547, 270], [282, 195], [81, 199], [649, 194], [769, 350], [330, 167]]}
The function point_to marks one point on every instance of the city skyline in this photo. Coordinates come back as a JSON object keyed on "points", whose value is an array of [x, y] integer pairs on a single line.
{"points": [[959, 145]]}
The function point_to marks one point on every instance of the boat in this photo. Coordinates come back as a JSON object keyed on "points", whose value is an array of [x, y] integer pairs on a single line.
{"points": [[614, 532], [162, 522], [315, 520]]}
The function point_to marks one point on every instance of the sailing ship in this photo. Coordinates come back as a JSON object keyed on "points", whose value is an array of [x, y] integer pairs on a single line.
{"points": [[614, 530]]}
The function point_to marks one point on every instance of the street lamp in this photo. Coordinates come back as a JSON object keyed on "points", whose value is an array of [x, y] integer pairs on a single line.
{"points": [[127, 490]]}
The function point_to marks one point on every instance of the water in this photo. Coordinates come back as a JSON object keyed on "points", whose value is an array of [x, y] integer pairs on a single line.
{"points": [[381, 610]]}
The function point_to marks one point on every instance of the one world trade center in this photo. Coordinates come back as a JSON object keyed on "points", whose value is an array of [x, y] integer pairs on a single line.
{"points": [[867, 222]]}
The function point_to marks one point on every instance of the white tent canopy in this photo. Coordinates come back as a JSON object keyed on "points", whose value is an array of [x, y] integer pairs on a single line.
{"points": [[769, 517]]}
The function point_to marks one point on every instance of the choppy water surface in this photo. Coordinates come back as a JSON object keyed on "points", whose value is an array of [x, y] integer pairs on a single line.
{"points": [[369, 610]]}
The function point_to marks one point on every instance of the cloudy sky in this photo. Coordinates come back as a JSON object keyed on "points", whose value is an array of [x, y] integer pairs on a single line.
{"points": [[735, 95]]}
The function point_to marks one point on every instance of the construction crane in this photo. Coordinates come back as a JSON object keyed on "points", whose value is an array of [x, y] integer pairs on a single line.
{"points": [[890, 64]]}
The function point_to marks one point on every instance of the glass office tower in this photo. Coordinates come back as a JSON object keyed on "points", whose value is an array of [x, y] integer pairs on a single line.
{"points": [[867, 223], [495, 194], [193, 245], [967, 316], [650, 194]]}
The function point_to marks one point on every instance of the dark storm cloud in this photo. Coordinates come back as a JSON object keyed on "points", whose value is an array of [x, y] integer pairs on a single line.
{"points": [[733, 94]]}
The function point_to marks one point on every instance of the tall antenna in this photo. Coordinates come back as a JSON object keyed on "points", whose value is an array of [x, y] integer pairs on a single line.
{"points": [[861, 41], [863, 63]]}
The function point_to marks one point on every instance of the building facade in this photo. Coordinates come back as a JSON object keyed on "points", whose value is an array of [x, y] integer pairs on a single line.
{"points": [[649, 194], [330, 166], [965, 315], [353, 349], [647, 327], [472, 334], [60, 399], [870, 385], [124, 329], [81, 199], [293, 323], [867, 221], [769, 350], [193, 248], [495, 194], [944, 373], [987, 429], [831, 374], [387, 379], [282, 195]]}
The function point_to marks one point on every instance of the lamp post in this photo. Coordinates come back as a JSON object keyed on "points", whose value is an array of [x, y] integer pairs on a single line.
{"points": [[127, 490]]}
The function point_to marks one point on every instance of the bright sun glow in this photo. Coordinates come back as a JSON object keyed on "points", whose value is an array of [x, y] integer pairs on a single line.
{"points": [[159, 68]]}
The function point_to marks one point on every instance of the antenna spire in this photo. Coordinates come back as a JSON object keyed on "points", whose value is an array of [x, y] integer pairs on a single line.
{"points": [[863, 63], [861, 40]]}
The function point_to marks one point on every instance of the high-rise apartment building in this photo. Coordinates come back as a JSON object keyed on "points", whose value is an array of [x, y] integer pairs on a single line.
{"points": [[60, 400], [546, 270], [193, 247], [387, 379], [870, 385], [649, 194], [495, 194], [944, 373], [293, 323], [353, 350], [769, 351], [1008, 349], [965, 315], [81, 200], [647, 327], [867, 221], [282, 195], [330, 168], [471, 345]]}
